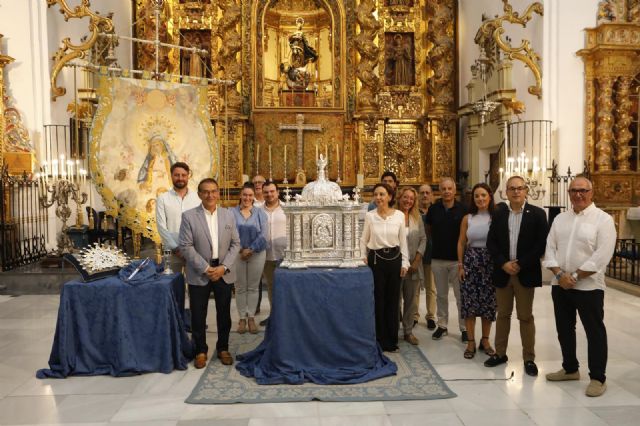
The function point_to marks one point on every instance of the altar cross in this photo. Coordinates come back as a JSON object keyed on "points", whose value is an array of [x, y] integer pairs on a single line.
{"points": [[300, 127]]}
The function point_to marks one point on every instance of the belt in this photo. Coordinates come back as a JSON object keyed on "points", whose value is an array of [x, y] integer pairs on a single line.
{"points": [[214, 262], [386, 253]]}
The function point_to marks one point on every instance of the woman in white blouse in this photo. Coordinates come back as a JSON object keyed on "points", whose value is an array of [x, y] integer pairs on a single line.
{"points": [[385, 238]]}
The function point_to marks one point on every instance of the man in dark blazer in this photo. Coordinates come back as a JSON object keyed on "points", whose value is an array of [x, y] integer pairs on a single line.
{"points": [[210, 243], [516, 241]]}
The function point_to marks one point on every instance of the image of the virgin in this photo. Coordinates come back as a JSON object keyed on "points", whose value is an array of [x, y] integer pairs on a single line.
{"points": [[157, 147]]}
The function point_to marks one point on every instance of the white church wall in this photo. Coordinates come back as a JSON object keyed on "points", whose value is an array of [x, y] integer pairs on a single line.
{"points": [[470, 19], [23, 24], [75, 29], [563, 76], [556, 36]]}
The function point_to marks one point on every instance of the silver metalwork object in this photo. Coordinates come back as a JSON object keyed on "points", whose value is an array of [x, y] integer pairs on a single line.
{"points": [[101, 257], [323, 226], [61, 190], [166, 258]]}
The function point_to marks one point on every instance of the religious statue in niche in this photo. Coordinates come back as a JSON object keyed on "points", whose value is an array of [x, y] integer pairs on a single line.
{"points": [[195, 64], [297, 75], [399, 59], [156, 164]]}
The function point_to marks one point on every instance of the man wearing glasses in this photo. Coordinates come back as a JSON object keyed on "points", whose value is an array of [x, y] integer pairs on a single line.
{"points": [[516, 241], [210, 243], [579, 247]]}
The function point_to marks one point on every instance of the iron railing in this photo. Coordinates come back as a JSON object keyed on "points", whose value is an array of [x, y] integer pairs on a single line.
{"points": [[625, 263], [23, 222]]}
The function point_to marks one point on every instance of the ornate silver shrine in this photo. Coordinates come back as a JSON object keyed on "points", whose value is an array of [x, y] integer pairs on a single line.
{"points": [[323, 225]]}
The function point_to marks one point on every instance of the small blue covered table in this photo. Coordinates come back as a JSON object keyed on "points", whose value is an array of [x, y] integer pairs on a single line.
{"points": [[321, 330], [121, 329]]}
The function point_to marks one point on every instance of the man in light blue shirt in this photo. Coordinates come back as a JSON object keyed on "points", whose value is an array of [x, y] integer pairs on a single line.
{"points": [[169, 208]]}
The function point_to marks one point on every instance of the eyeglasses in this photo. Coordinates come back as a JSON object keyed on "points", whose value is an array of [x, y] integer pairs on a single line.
{"points": [[581, 191], [517, 188], [207, 193]]}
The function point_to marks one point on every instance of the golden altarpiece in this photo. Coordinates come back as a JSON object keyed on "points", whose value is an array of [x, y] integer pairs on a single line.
{"points": [[371, 84], [612, 73]]}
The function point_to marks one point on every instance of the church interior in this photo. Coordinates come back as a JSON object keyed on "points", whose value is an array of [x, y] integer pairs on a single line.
{"points": [[98, 98]]}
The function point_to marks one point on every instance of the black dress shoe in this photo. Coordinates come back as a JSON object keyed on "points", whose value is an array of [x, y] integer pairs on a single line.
{"points": [[531, 368], [441, 331], [431, 324], [495, 360]]}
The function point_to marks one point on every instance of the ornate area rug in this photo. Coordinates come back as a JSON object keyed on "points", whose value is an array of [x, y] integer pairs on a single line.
{"points": [[416, 379]]}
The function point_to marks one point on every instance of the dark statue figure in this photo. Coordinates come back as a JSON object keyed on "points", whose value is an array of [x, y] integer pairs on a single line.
{"points": [[400, 61], [298, 78]]}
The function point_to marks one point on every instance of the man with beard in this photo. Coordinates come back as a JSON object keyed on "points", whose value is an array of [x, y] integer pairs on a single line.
{"points": [[276, 235], [169, 208]]}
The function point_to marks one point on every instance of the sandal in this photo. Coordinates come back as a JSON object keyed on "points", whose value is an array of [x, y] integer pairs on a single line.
{"points": [[469, 353], [486, 348]]}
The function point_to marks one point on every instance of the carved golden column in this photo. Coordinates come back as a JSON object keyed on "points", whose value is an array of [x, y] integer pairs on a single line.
{"points": [[231, 44], [623, 121], [442, 65], [611, 64], [4, 61], [605, 123], [369, 52]]}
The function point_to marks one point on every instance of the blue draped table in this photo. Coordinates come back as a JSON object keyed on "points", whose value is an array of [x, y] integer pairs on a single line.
{"points": [[112, 327], [321, 330]]}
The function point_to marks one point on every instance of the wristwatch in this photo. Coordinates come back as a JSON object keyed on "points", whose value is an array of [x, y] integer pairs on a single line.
{"points": [[574, 275], [559, 275], [226, 270]]}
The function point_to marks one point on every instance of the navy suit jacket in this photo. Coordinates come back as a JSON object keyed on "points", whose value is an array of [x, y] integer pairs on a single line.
{"points": [[532, 241]]}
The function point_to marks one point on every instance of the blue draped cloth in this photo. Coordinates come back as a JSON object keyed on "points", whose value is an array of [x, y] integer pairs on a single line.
{"points": [[120, 328], [321, 330]]}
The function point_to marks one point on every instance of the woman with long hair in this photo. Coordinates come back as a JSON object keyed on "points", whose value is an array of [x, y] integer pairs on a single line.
{"points": [[416, 245], [385, 237], [252, 227], [475, 269]]}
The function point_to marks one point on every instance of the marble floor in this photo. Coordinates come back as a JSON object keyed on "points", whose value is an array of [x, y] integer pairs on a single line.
{"points": [[27, 325]]}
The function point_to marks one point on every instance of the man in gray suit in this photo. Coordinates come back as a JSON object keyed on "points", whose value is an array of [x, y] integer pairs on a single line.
{"points": [[209, 242]]}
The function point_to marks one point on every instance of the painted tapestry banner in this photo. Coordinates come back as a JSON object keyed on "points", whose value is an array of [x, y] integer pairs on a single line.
{"points": [[140, 129]]}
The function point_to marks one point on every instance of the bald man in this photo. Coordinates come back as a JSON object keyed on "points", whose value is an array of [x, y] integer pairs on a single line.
{"points": [[579, 248]]}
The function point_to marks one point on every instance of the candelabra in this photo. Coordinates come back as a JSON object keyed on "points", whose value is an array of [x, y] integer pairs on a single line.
{"points": [[62, 191]]}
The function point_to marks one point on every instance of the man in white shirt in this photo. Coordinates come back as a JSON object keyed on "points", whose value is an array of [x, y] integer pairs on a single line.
{"points": [[276, 235], [169, 208], [579, 247]]}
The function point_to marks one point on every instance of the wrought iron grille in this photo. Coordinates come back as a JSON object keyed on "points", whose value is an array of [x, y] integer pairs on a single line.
{"points": [[625, 263], [23, 222]]}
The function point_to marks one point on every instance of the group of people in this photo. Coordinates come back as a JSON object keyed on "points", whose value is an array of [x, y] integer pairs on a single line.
{"points": [[491, 256], [222, 250]]}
